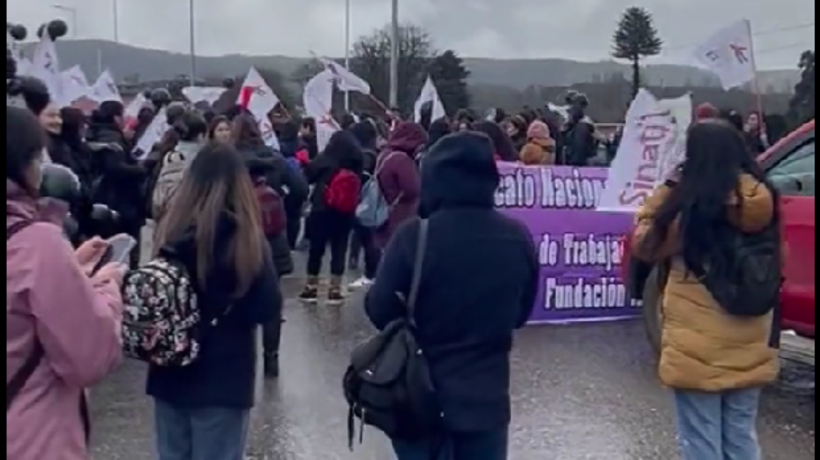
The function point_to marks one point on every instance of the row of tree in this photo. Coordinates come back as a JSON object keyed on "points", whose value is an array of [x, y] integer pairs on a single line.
{"points": [[635, 39]]}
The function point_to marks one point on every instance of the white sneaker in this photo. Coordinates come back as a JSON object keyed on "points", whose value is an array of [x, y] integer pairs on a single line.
{"points": [[360, 283]]}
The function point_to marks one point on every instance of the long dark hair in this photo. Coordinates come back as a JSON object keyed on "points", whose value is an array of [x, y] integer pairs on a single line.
{"points": [[716, 156], [218, 185], [245, 132], [218, 120]]}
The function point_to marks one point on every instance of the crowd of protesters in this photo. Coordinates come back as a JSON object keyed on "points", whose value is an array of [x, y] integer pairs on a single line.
{"points": [[230, 211]]}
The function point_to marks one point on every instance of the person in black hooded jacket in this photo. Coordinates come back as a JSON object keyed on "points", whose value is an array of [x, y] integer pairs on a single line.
{"points": [[289, 182], [286, 182], [121, 185], [328, 227], [467, 309]]}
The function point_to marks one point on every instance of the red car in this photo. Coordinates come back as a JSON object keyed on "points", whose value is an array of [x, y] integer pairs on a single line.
{"points": [[790, 166]]}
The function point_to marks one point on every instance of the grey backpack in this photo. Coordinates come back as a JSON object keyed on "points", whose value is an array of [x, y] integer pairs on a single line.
{"points": [[174, 165]]}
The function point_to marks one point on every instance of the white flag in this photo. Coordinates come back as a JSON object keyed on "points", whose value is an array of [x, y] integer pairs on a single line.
{"points": [[429, 94], [74, 85], [650, 135], [318, 102], [259, 99], [46, 66], [105, 88], [345, 79], [197, 94], [728, 53], [153, 133]]}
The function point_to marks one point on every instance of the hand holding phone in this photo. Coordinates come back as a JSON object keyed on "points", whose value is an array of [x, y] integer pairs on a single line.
{"points": [[118, 251]]}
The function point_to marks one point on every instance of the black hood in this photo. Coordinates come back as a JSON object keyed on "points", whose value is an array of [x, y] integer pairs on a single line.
{"points": [[459, 171]]}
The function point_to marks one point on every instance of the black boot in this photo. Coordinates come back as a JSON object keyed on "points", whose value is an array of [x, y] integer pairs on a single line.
{"points": [[272, 366], [272, 336]]}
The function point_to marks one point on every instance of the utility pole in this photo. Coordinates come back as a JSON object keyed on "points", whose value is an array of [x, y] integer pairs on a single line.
{"points": [[347, 50], [192, 38], [394, 55]]}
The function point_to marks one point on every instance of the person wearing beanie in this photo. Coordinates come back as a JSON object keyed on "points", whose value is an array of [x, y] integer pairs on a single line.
{"points": [[540, 146], [478, 284], [706, 111]]}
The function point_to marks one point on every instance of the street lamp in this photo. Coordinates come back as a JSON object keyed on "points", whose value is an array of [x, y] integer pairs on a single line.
{"points": [[116, 12], [394, 55], [192, 38], [347, 50]]}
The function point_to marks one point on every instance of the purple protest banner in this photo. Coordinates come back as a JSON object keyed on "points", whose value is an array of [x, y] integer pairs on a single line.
{"points": [[579, 248]]}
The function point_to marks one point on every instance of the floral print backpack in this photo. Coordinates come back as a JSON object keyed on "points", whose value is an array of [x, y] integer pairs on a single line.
{"points": [[161, 317]]}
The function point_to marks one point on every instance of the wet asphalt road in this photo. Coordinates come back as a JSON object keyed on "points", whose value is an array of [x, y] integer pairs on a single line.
{"points": [[585, 392]]}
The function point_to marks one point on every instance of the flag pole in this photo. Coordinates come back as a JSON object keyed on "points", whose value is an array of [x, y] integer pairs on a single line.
{"points": [[756, 82], [394, 54], [347, 50]]}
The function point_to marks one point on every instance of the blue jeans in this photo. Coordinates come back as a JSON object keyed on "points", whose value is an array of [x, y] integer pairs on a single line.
{"points": [[718, 426], [200, 434], [491, 445]]}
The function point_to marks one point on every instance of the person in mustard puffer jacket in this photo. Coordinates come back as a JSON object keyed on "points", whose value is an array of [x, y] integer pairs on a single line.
{"points": [[540, 146], [715, 363]]}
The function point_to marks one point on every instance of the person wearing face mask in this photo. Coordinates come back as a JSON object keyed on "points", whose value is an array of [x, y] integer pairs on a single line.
{"points": [[52, 292]]}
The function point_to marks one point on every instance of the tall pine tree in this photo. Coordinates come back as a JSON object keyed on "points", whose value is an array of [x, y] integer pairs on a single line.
{"points": [[450, 77], [801, 107], [635, 39]]}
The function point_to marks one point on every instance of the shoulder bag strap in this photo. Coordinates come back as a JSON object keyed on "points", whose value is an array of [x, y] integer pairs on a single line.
{"points": [[380, 165], [421, 248], [18, 381], [378, 171]]}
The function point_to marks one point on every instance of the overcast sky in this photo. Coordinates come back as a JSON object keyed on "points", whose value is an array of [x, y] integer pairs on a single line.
{"points": [[574, 29]]}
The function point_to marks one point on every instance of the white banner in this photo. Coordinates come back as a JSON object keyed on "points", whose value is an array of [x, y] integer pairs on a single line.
{"points": [[653, 144]]}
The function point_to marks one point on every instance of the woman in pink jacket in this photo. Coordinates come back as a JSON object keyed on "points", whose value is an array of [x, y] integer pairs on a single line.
{"points": [[62, 325]]}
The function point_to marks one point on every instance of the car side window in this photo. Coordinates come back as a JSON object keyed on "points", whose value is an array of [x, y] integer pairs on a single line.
{"points": [[794, 174]]}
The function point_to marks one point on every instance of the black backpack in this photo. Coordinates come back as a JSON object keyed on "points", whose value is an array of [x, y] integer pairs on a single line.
{"points": [[750, 286], [388, 384]]}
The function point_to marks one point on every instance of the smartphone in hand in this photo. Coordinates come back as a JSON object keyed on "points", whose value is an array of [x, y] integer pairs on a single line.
{"points": [[118, 251]]}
